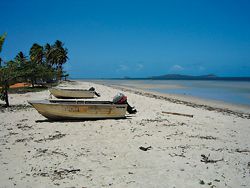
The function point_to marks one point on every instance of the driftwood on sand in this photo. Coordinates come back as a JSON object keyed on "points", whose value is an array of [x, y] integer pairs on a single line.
{"points": [[178, 114]]}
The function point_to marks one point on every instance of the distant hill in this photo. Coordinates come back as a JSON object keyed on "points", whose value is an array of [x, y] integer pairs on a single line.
{"points": [[187, 77], [180, 76], [201, 77]]}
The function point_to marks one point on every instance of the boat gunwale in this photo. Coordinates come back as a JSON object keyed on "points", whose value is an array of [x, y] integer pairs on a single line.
{"points": [[71, 89], [76, 103]]}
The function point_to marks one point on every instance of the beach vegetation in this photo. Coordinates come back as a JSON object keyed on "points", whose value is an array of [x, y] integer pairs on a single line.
{"points": [[9, 74], [43, 67], [3, 83]]}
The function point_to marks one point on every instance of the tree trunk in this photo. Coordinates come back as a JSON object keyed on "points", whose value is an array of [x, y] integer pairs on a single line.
{"points": [[32, 82], [59, 73], [6, 96]]}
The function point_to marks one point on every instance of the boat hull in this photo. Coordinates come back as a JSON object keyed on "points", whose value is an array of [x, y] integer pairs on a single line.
{"points": [[74, 111], [71, 93]]}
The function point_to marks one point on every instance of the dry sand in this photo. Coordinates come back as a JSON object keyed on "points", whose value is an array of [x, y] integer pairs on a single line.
{"points": [[209, 150]]}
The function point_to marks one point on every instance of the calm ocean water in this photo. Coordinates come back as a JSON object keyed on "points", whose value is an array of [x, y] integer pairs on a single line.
{"points": [[237, 92]]}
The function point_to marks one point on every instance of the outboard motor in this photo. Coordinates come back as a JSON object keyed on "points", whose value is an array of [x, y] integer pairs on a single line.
{"points": [[93, 89], [120, 98]]}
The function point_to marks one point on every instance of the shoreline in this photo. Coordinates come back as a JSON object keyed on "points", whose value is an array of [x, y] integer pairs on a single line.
{"points": [[196, 102]]}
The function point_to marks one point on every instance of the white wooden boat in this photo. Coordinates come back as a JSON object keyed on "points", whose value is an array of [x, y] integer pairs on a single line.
{"points": [[72, 93], [75, 109]]}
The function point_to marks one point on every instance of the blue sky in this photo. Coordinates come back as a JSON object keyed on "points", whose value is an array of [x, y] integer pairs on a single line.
{"points": [[136, 38]]}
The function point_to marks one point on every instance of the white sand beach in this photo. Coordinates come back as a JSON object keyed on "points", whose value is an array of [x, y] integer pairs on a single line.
{"points": [[209, 150]]}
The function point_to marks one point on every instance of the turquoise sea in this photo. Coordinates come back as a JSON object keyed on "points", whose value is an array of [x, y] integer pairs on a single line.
{"points": [[237, 92]]}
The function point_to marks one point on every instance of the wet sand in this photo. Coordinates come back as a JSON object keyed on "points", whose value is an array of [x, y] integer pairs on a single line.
{"points": [[148, 149]]}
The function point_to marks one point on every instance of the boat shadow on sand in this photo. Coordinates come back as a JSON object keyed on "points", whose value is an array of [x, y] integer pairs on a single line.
{"points": [[82, 120]]}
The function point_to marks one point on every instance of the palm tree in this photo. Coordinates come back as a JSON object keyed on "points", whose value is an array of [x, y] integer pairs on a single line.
{"points": [[21, 59], [36, 53], [60, 57], [36, 59], [61, 53], [48, 54], [2, 38], [23, 65]]}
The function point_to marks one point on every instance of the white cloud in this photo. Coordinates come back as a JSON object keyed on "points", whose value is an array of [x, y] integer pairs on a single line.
{"points": [[122, 68], [176, 68], [126, 68], [139, 66], [201, 68]]}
